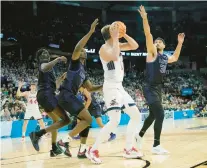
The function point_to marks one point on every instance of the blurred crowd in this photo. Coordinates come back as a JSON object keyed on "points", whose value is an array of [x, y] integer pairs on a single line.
{"points": [[14, 108]]}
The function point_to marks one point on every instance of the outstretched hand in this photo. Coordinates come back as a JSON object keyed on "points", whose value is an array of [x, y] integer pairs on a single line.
{"points": [[93, 26], [142, 12], [181, 37]]}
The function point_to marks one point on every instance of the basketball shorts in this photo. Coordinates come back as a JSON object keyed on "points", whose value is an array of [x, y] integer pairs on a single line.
{"points": [[47, 100], [116, 97], [70, 103], [95, 111], [152, 93], [35, 113]]}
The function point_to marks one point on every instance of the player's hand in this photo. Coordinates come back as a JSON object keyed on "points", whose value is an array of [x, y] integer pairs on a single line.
{"points": [[181, 37], [62, 58], [142, 12], [114, 31], [93, 26]]}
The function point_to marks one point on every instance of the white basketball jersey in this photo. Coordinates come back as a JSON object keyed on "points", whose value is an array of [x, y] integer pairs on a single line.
{"points": [[32, 101], [113, 70]]}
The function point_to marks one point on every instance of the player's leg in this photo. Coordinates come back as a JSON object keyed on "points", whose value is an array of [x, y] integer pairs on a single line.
{"points": [[75, 107], [100, 123], [158, 112], [134, 114], [113, 99], [24, 128], [50, 104], [82, 149], [55, 149]]}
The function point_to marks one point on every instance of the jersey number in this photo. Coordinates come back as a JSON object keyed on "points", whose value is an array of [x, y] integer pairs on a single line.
{"points": [[33, 102]]}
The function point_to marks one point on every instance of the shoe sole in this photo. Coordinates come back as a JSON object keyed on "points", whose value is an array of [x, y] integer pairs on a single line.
{"points": [[132, 157], [87, 155], [36, 148]]}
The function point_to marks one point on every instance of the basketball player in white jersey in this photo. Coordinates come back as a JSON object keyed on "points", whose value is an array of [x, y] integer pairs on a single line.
{"points": [[114, 94], [32, 108]]}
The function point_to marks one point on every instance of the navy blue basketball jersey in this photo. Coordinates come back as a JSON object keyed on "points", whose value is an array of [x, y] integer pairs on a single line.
{"points": [[76, 75], [156, 70], [46, 80]]}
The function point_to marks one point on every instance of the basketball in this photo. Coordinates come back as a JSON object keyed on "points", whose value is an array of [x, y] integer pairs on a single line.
{"points": [[122, 28]]}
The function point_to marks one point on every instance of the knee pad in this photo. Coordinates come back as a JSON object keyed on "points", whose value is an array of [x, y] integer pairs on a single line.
{"points": [[85, 132]]}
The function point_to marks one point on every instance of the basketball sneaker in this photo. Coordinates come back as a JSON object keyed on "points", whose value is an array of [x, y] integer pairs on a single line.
{"points": [[93, 156], [65, 145], [159, 150], [55, 151], [35, 140], [132, 154], [112, 137], [138, 140], [82, 155]]}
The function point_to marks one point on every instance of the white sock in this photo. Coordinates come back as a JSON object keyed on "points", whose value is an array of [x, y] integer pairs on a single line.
{"points": [[68, 139], [82, 147], [114, 119], [23, 133]]}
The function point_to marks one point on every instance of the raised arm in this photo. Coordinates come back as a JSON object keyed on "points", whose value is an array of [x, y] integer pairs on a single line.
{"points": [[175, 56], [92, 88], [149, 39], [81, 44], [87, 94], [19, 93], [131, 44], [45, 67]]}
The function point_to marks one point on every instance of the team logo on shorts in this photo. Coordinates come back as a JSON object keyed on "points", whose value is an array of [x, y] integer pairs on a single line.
{"points": [[113, 102]]}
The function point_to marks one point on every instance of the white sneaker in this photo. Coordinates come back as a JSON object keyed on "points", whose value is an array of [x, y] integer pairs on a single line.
{"points": [[93, 156], [132, 154], [159, 150], [138, 140]]}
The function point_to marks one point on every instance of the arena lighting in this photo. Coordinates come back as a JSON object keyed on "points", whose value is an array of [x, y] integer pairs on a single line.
{"points": [[90, 50], [1, 35], [54, 45], [12, 38]]}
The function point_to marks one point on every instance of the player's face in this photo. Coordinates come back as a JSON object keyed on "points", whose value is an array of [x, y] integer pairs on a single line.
{"points": [[159, 45], [33, 87]]}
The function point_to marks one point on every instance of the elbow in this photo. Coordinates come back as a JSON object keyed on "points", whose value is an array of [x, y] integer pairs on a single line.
{"points": [[135, 46]]}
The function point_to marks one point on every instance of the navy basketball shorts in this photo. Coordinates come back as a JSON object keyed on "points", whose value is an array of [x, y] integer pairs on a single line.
{"points": [[47, 100], [152, 93], [70, 103], [95, 111]]}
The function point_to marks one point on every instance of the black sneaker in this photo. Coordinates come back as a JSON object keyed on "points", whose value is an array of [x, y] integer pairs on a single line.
{"points": [[56, 151], [65, 145], [82, 155], [35, 140]]}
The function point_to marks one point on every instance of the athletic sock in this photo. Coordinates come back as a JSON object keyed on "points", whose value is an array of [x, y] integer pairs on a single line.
{"points": [[82, 147]]}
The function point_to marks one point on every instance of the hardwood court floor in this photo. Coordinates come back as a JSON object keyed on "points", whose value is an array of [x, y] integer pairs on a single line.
{"points": [[188, 147]]}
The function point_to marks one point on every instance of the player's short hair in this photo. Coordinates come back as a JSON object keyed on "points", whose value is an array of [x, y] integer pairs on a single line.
{"points": [[159, 38], [105, 32], [42, 54]]}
